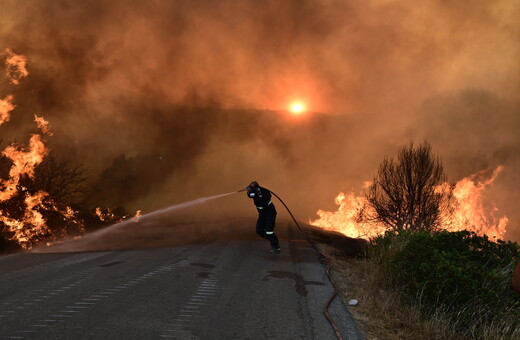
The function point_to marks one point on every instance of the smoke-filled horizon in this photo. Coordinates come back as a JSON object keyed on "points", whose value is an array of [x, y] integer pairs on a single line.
{"points": [[172, 100]]}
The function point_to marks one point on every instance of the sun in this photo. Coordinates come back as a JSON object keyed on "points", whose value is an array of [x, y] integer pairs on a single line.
{"points": [[297, 108]]}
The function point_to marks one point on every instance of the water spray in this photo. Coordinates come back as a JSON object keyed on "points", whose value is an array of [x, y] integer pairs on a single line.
{"points": [[159, 212]]}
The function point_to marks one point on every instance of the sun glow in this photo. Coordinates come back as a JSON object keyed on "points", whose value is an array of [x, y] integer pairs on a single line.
{"points": [[297, 108]]}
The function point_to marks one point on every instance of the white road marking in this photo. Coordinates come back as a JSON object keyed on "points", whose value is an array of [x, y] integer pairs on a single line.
{"points": [[204, 294]]}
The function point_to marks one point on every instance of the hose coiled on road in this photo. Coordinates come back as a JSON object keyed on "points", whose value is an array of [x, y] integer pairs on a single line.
{"points": [[329, 268]]}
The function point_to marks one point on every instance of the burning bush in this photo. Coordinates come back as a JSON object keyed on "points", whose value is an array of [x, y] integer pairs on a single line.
{"points": [[411, 193], [30, 215], [35, 190]]}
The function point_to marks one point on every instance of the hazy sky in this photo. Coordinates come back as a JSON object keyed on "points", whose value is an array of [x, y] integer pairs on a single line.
{"points": [[116, 77]]}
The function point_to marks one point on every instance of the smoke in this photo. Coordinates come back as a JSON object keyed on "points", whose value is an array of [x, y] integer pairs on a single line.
{"points": [[181, 99]]}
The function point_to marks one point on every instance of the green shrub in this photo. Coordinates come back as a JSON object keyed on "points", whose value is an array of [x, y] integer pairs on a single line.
{"points": [[465, 275]]}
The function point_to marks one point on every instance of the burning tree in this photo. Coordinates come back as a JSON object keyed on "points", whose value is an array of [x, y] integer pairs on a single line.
{"points": [[410, 192], [34, 194]]}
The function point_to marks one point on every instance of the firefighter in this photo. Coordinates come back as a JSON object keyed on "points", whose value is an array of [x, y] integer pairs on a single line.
{"points": [[266, 214]]}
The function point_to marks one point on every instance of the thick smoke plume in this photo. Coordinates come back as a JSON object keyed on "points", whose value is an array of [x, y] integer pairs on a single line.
{"points": [[166, 101]]}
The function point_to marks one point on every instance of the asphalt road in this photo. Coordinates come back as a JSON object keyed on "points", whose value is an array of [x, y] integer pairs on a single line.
{"points": [[218, 288]]}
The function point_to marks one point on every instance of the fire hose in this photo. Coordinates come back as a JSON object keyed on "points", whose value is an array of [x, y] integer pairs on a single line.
{"points": [[329, 267]]}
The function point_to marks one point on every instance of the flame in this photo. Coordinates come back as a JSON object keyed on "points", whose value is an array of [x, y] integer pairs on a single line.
{"points": [[138, 214], [15, 70], [345, 219], [43, 125], [6, 106], [15, 66], [109, 215], [24, 219], [105, 215], [24, 161], [32, 227], [473, 211]]}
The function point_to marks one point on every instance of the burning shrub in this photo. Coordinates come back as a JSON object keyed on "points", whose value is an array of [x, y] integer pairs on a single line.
{"points": [[36, 205], [32, 218], [35, 190], [466, 276], [412, 194]]}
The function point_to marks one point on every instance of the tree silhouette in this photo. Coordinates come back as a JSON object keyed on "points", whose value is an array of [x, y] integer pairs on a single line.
{"points": [[61, 178], [408, 193]]}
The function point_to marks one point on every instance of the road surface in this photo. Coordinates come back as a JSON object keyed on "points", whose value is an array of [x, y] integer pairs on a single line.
{"points": [[219, 288]]}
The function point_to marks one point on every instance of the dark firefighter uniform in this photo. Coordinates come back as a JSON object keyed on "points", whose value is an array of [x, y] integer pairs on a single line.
{"points": [[266, 214]]}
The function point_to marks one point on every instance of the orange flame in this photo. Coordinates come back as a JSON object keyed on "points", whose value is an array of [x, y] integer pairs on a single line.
{"points": [[31, 227], [24, 161], [43, 125], [108, 215], [105, 215], [6, 106], [345, 219], [15, 66], [473, 211]]}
